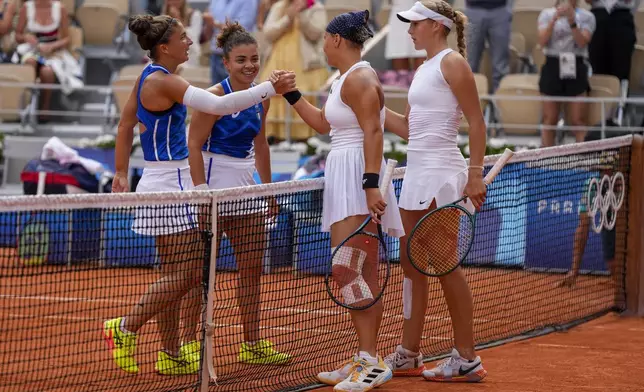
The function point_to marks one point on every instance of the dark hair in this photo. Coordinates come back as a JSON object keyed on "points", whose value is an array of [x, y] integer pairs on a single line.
{"points": [[152, 31], [352, 26], [232, 35]]}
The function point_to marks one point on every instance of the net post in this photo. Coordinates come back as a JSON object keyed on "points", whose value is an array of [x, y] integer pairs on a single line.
{"points": [[634, 279], [210, 267]]}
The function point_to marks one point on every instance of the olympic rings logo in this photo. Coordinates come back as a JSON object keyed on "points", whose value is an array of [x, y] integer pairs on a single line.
{"points": [[606, 198]]}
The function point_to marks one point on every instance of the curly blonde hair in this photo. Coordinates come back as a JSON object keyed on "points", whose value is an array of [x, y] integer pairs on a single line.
{"points": [[459, 19]]}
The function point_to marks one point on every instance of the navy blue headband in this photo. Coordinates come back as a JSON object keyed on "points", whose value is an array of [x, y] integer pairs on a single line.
{"points": [[348, 23]]}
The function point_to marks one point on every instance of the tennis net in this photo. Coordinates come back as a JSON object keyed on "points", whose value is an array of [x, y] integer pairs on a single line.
{"points": [[71, 262]]}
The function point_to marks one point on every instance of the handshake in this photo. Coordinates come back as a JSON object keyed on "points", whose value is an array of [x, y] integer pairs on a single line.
{"points": [[283, 81]]}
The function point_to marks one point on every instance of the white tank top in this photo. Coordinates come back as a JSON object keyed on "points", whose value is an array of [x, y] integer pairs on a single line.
{"points": [[435, 115], [345, 128]]}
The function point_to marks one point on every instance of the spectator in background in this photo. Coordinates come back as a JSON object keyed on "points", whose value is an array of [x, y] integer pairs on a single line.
{"points": [[7, 39], [489, 21], [400, 49], [295, 31], [564, 34], [262, 12], [242, 11], [611, 48], [193, 21], [42, 33]]}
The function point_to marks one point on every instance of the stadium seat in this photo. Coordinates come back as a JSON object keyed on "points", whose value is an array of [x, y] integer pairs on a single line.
{"points": [[100, 23], [524, 21], [70, 6], [194, 72], [636, 80], [595, 108], [639, 20], [76, 45], [482, 87], [522, 115], [538, 57], [17, 99], [609, 82], [126, 78]]}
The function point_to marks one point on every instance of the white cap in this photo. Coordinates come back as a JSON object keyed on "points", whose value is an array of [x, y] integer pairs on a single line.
{"points": [[419, 12]]}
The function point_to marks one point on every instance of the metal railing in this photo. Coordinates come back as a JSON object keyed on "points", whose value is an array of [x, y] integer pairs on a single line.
{"points": [[107, 117]]}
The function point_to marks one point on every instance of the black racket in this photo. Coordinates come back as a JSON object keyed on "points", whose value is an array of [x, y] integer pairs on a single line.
{"points": [[442, 239], [359, 269]]}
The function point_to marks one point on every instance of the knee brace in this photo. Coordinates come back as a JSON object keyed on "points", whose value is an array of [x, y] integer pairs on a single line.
{"points": [[407, 297], [353, 259]]}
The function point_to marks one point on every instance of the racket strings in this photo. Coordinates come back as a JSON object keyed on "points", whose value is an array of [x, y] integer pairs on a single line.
{"points": [[359, 271], [441, 241]]}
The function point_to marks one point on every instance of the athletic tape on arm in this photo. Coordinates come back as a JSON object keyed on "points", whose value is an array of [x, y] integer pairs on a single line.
{"points": [[204, 101]]}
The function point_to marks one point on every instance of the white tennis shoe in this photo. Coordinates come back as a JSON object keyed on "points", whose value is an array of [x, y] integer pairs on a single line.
{"points": [[403, 364], [456, 369], [337, 376], [365, 377]]}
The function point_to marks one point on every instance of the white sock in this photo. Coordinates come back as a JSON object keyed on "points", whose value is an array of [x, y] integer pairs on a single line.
{"points": [[122, 326], [367, 357]]}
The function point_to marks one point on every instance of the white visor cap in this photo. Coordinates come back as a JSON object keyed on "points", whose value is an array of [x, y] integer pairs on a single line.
{"points": [[419, 12]]}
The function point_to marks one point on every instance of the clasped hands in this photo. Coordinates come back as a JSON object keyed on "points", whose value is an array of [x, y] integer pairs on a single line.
{"points": [[283, 81]]}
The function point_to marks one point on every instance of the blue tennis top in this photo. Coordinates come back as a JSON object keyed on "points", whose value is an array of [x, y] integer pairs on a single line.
{"points": [[164, 138], [234, 134]]}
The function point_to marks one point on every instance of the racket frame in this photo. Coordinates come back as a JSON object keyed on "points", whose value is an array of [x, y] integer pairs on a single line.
{"points": [[491, 175], [384, 189]]}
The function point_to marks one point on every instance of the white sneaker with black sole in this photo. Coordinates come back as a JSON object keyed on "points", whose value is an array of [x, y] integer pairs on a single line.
{"points": [[456, 369], [365, 377]]}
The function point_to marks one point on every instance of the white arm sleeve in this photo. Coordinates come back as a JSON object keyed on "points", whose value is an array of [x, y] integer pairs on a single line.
{"points": [[207, 102]]}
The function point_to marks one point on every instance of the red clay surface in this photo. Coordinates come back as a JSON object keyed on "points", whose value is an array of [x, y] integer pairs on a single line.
{"points": [[602, 355], [51, 319]]}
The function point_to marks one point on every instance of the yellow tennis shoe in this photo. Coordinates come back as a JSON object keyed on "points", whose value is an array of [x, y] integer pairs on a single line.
{"points": [[187, 362], [121, 344], [262, 353]]}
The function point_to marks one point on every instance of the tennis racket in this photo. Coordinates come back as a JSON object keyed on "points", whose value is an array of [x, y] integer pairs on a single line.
{"points": [[442, 238], [358, 269]]}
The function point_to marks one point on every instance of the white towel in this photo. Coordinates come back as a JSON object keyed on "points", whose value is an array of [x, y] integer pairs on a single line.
{"points": [[56, 149]]}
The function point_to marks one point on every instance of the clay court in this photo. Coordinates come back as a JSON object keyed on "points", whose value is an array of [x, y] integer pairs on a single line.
{"points": [[602, 355], [539, 336], [52, 323]]}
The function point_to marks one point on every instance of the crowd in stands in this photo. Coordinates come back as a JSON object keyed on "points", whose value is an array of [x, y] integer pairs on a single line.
{"points": [[574, 39]]}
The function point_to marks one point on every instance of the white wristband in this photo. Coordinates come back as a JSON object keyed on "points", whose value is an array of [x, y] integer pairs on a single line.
{"points": [[202, 187]]}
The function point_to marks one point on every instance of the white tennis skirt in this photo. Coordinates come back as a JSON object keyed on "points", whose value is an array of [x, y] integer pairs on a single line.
{"points": [[344, 196], [429, 177], [164, 219], [224, 172]]}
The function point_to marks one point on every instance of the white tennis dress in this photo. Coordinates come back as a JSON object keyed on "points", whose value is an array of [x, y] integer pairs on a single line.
{"points": [[436, 169], [343, 193]]}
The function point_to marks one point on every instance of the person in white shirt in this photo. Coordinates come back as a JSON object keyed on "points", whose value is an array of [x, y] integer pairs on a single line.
{"points": [[442, 91]]}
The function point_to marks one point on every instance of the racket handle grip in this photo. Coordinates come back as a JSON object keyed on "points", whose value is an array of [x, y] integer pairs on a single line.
{"points": [[494, 171], [385, 182]]}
